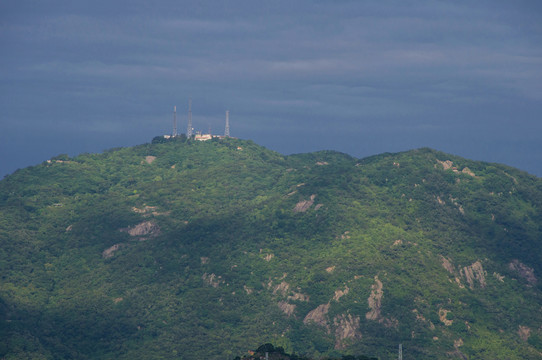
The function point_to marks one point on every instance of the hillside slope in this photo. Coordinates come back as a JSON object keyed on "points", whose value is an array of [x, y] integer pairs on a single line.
{"points": [[191, 250]]}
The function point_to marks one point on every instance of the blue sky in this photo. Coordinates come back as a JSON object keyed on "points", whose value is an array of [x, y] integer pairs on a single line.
{"points": [[361, 77]]}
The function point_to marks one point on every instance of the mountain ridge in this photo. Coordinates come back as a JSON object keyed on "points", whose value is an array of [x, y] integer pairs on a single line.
{"points": [[207, 249]]}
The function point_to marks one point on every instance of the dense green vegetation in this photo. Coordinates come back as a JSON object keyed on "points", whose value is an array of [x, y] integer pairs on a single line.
{"points": [[202, 250]]}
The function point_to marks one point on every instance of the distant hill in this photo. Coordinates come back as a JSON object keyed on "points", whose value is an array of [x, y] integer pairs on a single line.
{"points": [[203, 250]]}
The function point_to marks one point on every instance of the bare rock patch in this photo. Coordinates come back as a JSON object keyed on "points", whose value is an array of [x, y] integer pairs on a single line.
{"points": [[375, 300], [442, 316], [286, 308], [447, 164], [474, 273], [108, 253], [346, 328], [281, 288], [340, 293], [304, 205], [149, 159], [212, 279], [318, 316], [524, 332], [524, 271]]}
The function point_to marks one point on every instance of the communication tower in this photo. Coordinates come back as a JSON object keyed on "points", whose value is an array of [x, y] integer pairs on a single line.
{"points": [[174, 121], [227, 130], [189, 129]]}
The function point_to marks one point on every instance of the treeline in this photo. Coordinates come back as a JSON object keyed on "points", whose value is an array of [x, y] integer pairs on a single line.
{"points": [[277, 353]]}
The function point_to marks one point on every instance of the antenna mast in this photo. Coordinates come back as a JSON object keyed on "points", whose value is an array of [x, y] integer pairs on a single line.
{"points": [[227, 130], [174, 121], [189, 130]]}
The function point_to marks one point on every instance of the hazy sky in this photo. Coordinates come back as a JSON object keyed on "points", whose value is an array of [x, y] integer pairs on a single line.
{"points": [[362, 77]]}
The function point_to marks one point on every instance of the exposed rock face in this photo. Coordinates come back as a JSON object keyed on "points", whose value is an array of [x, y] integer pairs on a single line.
{"points": [[143, 229], [524, 271], [287, 308], [144, 209], [318, 316], [346, 328], [298, 297], [524, 332], [457, 353], [282, 288], [468, 171], [340, 293], [442, 316], [212, 280], [473, 273], [107, 253], [375, 300], [147, 211], [447, 264], [304, 205], [446, 164], [149, 159]]}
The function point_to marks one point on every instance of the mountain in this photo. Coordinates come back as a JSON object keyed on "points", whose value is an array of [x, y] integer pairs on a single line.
{"points": [[203, 250]]}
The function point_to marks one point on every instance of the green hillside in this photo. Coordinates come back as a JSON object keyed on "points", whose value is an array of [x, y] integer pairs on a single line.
{"points": [[204, 250]]}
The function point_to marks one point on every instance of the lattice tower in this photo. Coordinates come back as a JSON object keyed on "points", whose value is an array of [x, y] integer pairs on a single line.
{"points": [[189, 128], [175, 121], [227, 130]]}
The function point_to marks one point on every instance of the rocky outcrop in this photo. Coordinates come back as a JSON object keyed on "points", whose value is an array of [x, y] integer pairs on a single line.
{"points": [[524, 332], [282, 288], [304, 205], [212, 279], [318, 316], [474, 273], [147, 211], [447, 264], [146, 228], [447, 164], [108, 253], [375, 300], [340, 293], [286, 308], [442, 316], [150, 159], [346, 328], [524, 271], [468, 171], [298, 297]]}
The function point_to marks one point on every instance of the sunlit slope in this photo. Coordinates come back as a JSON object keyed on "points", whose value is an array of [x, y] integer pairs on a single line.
{"points": [[199, 250]]}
